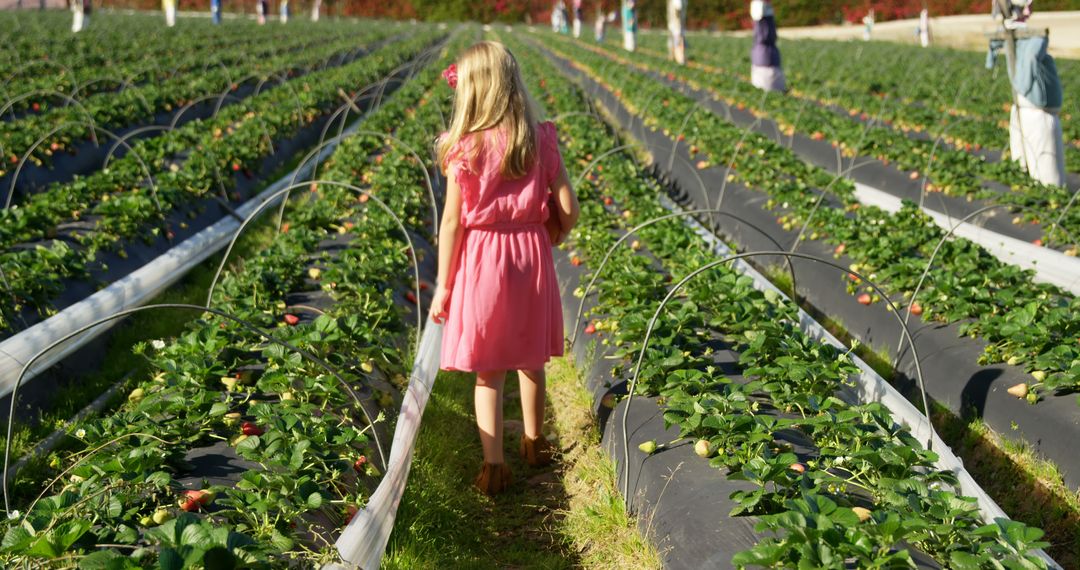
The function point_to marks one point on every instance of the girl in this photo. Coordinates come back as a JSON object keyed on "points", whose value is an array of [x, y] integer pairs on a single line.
{"points": [[497, 291]]}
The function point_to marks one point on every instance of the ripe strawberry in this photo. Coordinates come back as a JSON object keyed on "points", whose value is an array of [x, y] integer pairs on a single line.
{"points": [[681, 137], [916, 309], [410, 297], [236, 167], [250, 428], [914, 175], [817, 135], [840, 249], [285, 228], [590, 329], [608, 201], [350, 512], [35, 106], [192, 501], [363, 198], [54, 146], [291, 320], [575, 261], [1037, 242], [358, 465], [863, 299]]}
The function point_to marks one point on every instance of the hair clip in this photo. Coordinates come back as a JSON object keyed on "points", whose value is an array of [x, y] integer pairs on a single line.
{"points": [[450, 75]]}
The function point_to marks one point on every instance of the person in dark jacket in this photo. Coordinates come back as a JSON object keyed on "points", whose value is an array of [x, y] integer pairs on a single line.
{"points": [[765, 71]]}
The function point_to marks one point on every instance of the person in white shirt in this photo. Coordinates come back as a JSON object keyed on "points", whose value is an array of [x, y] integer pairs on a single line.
{"points": [[676, 18]]}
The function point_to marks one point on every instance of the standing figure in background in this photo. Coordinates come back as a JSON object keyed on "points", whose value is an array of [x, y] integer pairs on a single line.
{"points": [[577, 18], [169, 7], [315, 10], [80, 15], [629, 25], [215, 11], [868, 22], [676, 23], [1035, 134], [261, 9], [598, 27], [765, 71], [283, 10], [924, 28]]}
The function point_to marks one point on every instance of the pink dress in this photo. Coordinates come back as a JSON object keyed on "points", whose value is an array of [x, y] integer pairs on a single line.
{"points": [[504, 311]]}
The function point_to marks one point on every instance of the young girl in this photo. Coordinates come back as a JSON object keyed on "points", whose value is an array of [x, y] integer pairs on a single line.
{"points": [[497, 291]]}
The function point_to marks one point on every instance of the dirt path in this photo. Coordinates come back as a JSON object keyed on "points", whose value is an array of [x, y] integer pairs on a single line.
{"points": [[565, 516]]}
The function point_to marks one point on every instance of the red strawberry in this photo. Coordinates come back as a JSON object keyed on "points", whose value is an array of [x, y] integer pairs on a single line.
{"points": [[575, 261], [608, 201], [840, 249], [350, 512], [914, 175], [863, 299], [36, 107], [291, 320], [54, 146], [364, 198], [236, 167], [358, 465], [410, 297], [916, 309], [818, 135], [192, 501], [285, 228], [590, 328], [681, 137], [250, 428], [1037, 242]]}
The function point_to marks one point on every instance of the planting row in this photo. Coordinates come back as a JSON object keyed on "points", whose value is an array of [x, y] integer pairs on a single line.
{"points": [[865, 492], [130, 492], [949, 171], [937, 91], [58, 126], [1025, 323], [198, 160]]}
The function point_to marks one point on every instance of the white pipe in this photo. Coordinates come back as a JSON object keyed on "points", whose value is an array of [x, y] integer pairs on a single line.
{"points": [[363, 542], [870, 386], [1050, 266], [133, 290]]}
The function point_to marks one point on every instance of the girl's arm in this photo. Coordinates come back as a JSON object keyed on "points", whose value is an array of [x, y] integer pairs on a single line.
{"points": [[450, 238], [567, 203]]}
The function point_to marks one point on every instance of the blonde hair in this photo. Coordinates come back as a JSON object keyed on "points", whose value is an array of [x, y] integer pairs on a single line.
{"points": [[490, 93]]}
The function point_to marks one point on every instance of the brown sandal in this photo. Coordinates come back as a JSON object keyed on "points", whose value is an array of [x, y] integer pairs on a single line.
{"points": [[537, 452], [493, 479]]}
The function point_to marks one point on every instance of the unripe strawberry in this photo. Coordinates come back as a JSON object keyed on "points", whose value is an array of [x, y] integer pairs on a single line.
{"points": [[703, 448], [862, 512], [648, 447], [136, 395], [162, 516], [1019, 390], [798, 468]]}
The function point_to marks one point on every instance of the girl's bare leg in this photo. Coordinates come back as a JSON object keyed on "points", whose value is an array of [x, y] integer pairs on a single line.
{"points": [[532, 386], [489, 413]]}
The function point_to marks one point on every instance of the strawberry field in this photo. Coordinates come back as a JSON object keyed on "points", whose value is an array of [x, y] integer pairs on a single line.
{"points": [[794, 407]]}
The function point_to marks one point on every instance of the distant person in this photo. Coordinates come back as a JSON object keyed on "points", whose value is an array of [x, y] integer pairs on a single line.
{"points": [[629, 25], [600, 25], [923, 31], [80, 15], [676, 21], [283, 11], [508, 202], [1035, 133], [261, 8], [215, 11], [169, 7], [765, 71], [577, 18], [868, 23]]}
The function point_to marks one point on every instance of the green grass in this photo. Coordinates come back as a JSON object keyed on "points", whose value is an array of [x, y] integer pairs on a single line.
{"points": [[565, 516]]}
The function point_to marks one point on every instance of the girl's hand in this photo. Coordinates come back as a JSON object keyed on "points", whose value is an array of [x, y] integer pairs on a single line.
{"points": [[438, 312]]}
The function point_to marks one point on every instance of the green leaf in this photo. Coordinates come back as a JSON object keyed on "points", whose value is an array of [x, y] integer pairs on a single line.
{"points": [[170, 559], [219, 558], [314, 500]]}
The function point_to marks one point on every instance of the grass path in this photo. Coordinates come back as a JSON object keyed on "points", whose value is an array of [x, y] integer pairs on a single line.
{"points": [[565, 516]]}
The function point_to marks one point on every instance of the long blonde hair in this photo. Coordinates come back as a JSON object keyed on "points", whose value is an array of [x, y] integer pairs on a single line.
{"points": [[490, 93]]}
